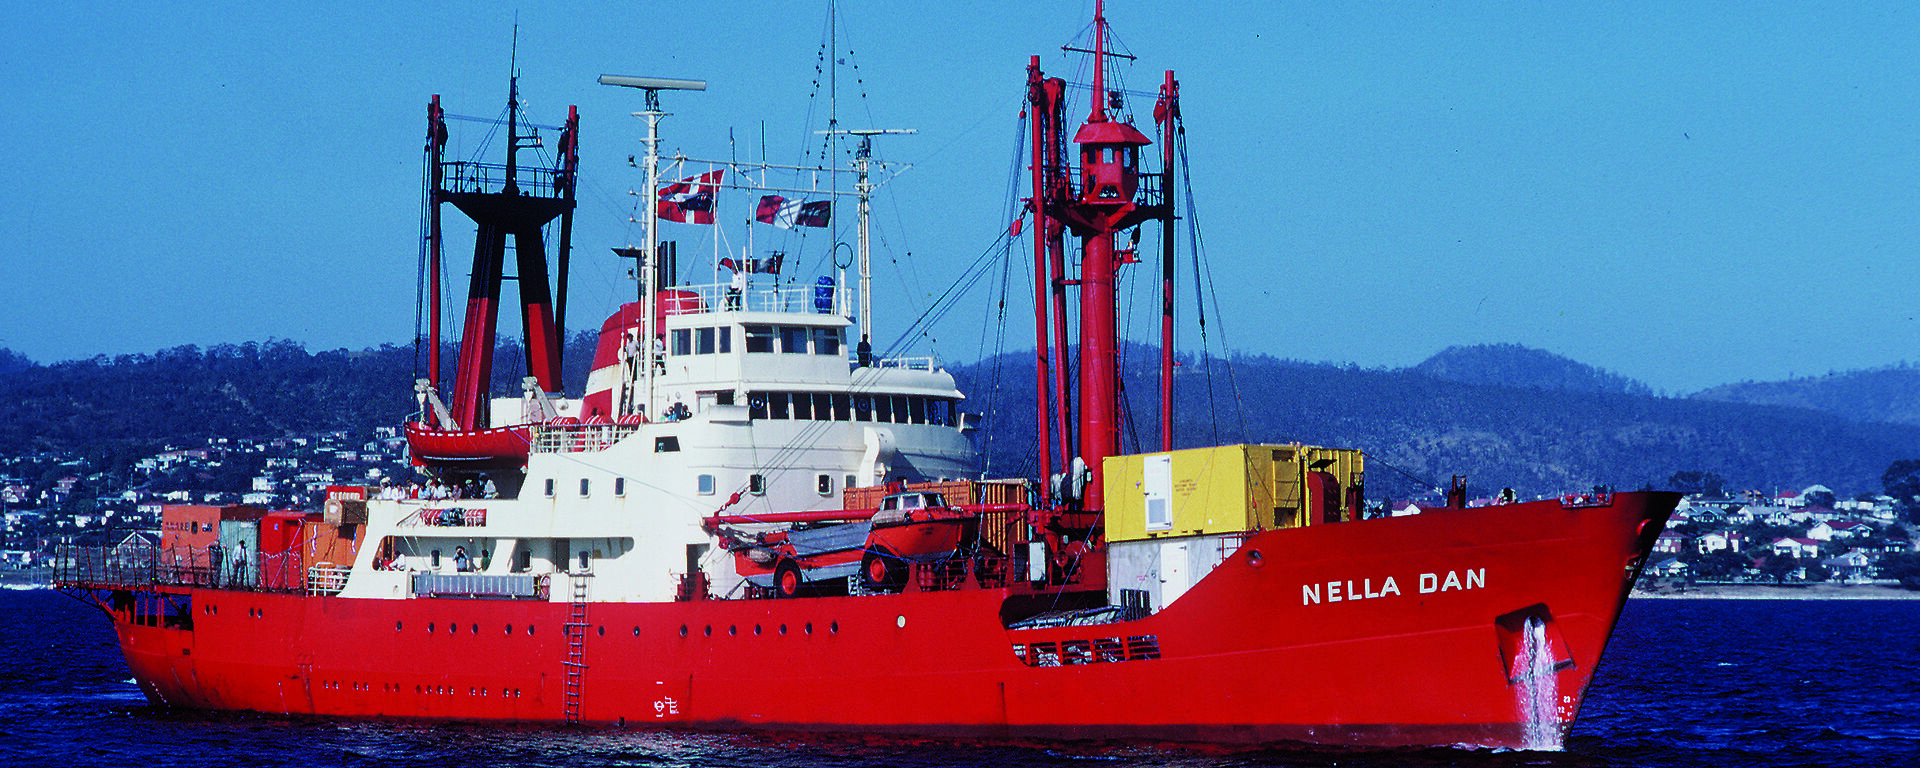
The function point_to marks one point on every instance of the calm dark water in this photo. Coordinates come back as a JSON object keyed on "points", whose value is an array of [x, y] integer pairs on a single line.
{"points": [[1686, 683]]}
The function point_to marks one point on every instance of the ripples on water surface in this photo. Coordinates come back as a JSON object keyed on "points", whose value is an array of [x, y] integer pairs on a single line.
{"points": [[1686, 683]]}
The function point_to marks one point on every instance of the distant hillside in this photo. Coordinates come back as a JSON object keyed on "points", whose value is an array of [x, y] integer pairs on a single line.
{"points": [[253, 390], [1512, 365], [1536, 440], [1885, 394], [12, 362], [1536, 437]]}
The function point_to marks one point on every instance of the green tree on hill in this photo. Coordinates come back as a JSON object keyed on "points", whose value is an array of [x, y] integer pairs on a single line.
{"points": [[1902, 482], [1904, 566]]}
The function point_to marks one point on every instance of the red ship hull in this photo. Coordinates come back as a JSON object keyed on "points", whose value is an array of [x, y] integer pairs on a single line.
{"points": [[1382, 632]]}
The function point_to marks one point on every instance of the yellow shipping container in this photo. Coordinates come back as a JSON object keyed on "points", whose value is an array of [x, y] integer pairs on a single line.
{"points": [[1230, 489]]}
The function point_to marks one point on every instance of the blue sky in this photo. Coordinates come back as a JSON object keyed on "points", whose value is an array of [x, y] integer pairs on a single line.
{"points": [[1687, 194]]}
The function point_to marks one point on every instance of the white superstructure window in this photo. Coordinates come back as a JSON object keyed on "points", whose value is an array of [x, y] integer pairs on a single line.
{"points": [[826, 341], [704, 484], [793, 339], [825, 483]]}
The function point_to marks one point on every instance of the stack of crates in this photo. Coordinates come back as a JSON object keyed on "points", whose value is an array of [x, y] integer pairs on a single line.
{"points": [[1230, 489], [1171, 518]]}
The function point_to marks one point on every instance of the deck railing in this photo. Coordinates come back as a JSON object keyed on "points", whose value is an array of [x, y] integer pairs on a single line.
{"points": [[92, 566], [327, 579], [720, 297], [446, 517], [574, 438]]}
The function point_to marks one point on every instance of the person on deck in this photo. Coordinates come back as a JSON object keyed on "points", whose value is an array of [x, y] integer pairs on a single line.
{"points": [[239, 574]]}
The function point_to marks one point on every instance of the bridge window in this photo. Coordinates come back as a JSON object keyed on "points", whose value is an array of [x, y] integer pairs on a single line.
{"points": [[683, 342], [759, 338], [793, 339], [826, 341], [842, 408], [703, 341], [726, 339], [883, 409], [776, 405], [666, 444], [862, 408], [918, 406], [802, 405]]}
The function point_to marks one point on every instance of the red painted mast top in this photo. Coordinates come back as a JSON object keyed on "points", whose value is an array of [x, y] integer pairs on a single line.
{"points": [[1104, 205]]}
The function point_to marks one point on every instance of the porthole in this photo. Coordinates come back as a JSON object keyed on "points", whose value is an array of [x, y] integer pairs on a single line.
{"points": [[431, 627], [834, 628], [683, 630], [509, 629], [707, 631], [756, 630], [396, 626], [529, 630], [733, 631], [475, 629], [783, 630], [636, 631], [808, 629], [602, 630]]}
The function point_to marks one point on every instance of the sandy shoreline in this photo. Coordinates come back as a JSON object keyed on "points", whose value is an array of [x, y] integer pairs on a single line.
{"points": [[1780, 592]]}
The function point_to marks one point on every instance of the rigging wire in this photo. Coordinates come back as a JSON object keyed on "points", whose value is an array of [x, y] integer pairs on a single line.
{"points": [[1375, 458], [1203, 277], [998, 330]]}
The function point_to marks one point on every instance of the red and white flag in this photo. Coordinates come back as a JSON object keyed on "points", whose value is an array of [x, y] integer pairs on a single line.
{"points": [[690, 200], [815, 214], [786, 214]]}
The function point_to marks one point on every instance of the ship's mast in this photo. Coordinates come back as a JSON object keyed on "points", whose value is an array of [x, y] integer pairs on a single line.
{"points": [[650, 255], [1096, 209], [863, 187], [1166, 112], [503, 201]]}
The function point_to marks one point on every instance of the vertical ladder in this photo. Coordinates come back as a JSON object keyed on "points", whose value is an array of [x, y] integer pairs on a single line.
{"points": [[576, 632]]}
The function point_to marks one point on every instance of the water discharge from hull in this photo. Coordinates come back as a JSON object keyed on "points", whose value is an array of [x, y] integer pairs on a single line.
{"points": [[1538, 693]]}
